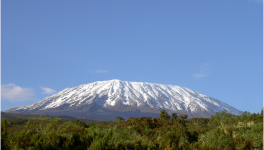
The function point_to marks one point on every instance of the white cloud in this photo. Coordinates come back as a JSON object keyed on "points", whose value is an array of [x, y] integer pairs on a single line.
{"points": [[46, 90], [14, 93], [205, 65], [203, 71], [198, 76], [100, 71]]}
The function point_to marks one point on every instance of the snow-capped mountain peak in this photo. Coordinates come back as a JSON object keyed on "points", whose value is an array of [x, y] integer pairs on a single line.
{"points": [[137, 95]]}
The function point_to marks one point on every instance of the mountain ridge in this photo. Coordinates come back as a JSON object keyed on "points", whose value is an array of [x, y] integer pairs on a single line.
{"points": [[113, 96]]}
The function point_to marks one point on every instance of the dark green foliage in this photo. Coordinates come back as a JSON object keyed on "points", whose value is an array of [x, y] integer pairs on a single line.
{"points": [[222, 131], [261, 114], [48, 146], [174, 116], [1, 129], [22, 118], [88, 140], [247, 145], [225, 142], [140, 124], [4, 125], [119, 119], [3, 144], [4, 134], [59, 141], [76, 143], [164, 115], [200, 121], [76, 139]]}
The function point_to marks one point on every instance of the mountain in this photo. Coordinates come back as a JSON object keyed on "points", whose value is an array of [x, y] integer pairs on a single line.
{"points": [[107, 99]]}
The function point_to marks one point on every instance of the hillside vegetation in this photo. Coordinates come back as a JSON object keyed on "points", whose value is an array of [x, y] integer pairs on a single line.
{"points": [[222, 131], [14, 117]]}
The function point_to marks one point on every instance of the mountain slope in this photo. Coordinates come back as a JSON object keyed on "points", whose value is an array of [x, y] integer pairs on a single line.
{"points": [[108, 98]]}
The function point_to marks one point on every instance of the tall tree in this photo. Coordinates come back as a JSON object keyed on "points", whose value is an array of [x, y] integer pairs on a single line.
{"points": [[261, 114], [119, 119], [164, 115], [4, 127]]}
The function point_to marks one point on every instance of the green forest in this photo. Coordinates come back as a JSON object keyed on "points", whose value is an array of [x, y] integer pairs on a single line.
{"points": [[222, 131]]}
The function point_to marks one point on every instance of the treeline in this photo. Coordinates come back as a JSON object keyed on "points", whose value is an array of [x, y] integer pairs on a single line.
{"points": [[223, 131]]}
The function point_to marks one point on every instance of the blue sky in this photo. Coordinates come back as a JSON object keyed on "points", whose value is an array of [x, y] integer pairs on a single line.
{"points": [[213, 47]]}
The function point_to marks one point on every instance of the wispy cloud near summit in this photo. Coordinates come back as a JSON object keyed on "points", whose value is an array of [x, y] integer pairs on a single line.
{"points": [[203, 71], [47, 90], [198, 76], [100, 71]]}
